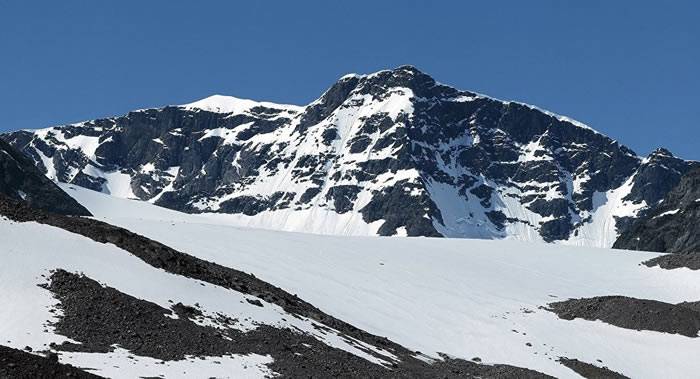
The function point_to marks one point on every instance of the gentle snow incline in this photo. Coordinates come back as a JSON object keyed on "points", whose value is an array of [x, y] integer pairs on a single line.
{"points": [[466, 298], [31, 251]]}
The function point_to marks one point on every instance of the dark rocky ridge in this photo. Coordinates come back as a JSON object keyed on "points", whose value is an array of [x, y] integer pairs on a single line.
{"points": [[100, 317], [21, 180], [87, 307], [630, 313], [590, 371], [689, 260], [673, 227], [19, 364], [466, 142]]}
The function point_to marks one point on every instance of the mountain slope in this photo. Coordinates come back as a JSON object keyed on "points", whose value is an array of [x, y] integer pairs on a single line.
{"points": [[464, 298], [673, 226], [390, 153], [21, 180], [115, 303]]}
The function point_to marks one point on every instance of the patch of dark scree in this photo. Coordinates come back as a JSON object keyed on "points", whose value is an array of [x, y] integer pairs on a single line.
{"points": [[20, 364], [175, 262], [590, 371], [690, 260], [99, 317], [631, 313]]}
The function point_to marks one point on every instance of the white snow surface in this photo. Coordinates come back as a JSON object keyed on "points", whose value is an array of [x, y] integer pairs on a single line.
{"points": [[668, 213], [601, 230], [466, 298], [30, 251], [230, 104]]}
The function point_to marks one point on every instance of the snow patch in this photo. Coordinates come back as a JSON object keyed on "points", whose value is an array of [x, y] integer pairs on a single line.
{"points": [[230, 104]]}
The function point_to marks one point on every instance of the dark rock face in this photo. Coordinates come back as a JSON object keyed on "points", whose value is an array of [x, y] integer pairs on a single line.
{"points": [[590, 371], [21, 180], [399, 208], [673, 226], [658, 175], [395, 136], [343, 197], [630, 313]]}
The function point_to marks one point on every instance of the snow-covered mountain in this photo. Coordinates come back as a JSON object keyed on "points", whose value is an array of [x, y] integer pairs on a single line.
{"points": [[390, 153]]}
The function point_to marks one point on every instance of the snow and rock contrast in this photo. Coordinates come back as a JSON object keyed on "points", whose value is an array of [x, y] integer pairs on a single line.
{"points": [[486, 301], [390, 153], [101, 298], [138, 290], [672, 227], [21, 180]]}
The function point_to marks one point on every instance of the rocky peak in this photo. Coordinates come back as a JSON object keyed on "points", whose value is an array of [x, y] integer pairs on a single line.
{"points": [[657, 174], [660, 153], [422, 85], [662, 156]]}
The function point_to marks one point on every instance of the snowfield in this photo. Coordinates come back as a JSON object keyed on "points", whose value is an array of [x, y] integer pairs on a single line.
{"points": [[31, 251], [465, 298]]}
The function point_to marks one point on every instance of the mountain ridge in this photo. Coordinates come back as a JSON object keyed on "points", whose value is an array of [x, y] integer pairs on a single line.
{"points": [[388, 153]]}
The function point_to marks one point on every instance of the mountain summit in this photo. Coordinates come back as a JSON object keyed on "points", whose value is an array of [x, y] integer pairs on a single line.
{"points": [[389, 153]]}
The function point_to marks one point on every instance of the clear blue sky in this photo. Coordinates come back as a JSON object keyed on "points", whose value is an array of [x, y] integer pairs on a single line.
{"points": [[630, 69]]}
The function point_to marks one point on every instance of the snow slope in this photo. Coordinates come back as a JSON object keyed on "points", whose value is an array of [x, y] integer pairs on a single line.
{"points": [[27, 308], [465, 298]]}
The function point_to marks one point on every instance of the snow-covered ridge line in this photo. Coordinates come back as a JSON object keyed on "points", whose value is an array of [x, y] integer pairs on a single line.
{"points": [[555, 115], [230, 104], [214, 103], [484, 96]]}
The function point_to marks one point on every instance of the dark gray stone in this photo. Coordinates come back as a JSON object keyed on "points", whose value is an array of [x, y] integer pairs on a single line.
{"points": [[663, 230], [21, 180], [631, 313]]}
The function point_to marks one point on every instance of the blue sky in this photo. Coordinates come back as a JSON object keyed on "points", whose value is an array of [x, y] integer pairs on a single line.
{"points": [[630, 69]]}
